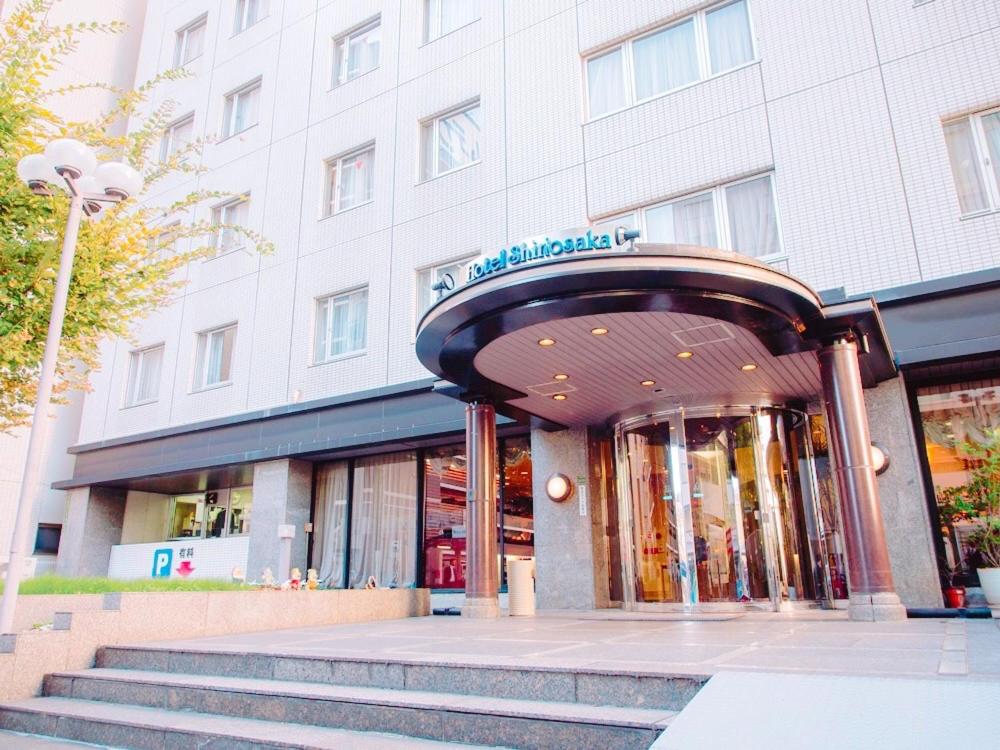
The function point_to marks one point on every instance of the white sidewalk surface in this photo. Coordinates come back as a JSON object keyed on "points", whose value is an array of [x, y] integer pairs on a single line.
{"points": [[758, 711]]}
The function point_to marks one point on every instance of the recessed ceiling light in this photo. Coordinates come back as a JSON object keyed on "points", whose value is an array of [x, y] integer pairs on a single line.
{"points": [[748, 367], [598, 331], [560, 397], [648, 383], [560, 376], [685, 355], [546, 342]]}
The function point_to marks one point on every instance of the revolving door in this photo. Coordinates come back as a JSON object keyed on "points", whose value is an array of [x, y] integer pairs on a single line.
{"points": [[719, 506]]}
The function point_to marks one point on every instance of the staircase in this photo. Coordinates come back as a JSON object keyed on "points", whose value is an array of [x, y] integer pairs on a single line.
{"points": [[159, 699]]}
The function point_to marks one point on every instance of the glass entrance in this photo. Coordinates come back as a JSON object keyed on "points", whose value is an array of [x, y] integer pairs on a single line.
{"points": [[717, 507]]}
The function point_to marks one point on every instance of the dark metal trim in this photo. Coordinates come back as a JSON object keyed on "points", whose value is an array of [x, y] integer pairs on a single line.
{"points": [[421, 507], [348, 522]]}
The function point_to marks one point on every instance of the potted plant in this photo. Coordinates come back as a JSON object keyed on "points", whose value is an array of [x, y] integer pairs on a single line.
{"points": [[982, 491], [954, 595]]}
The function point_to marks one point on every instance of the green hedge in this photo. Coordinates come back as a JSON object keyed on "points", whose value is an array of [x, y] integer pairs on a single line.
{"points": [[52, 584]]}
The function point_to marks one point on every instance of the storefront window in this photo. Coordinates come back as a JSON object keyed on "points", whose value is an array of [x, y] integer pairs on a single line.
{"points": [[518, 507], [240, 505], [832, 539], [956, 418], [384, 521], [330, 523], [187, 516], [445, 475], [211, 514]]}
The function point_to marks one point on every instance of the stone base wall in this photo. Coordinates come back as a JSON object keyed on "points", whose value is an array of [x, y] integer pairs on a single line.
{"points": [[25, 658]]}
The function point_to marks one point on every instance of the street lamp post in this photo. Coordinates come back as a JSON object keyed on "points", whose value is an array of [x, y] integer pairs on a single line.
{"points": [[71, 165]]}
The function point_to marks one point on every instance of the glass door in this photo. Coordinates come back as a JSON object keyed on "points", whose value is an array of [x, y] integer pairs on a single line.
{"points": [[714, 509]]}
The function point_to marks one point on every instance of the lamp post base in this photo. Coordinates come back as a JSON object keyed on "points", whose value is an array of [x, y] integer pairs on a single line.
{"points": [[481, 608], [875, 607]]}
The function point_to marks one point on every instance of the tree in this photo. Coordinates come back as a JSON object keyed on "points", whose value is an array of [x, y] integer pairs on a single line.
{"points": [[126, 261]]}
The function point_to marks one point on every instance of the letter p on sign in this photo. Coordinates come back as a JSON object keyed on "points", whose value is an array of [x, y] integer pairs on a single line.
{"points": [[163, 560]]}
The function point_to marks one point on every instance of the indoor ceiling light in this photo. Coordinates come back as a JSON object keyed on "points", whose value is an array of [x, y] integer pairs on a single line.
{"points": [[546, 342], [560, 376], [749, 367], [648, 383], [685, 355], [560, 397], [598, 331]]}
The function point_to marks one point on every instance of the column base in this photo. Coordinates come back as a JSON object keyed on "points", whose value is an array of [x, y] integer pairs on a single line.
{"points": [[876, 607], [481, 608]]}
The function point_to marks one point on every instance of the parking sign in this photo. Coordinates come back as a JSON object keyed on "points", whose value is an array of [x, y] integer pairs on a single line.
{"points": [[163, 559]]}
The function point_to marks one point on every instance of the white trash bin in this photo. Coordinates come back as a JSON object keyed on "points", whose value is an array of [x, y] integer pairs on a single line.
{"points": [[521, 588]]}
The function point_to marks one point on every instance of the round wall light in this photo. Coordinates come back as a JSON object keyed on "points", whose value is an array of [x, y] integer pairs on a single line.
{"points": [[880, 459], [559, 488]]}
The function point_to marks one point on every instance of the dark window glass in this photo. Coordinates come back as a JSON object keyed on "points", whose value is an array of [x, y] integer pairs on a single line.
{"points": [[47, 539]]}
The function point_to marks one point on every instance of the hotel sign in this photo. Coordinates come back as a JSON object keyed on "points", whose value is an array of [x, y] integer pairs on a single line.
{"points": [[567, 244]]}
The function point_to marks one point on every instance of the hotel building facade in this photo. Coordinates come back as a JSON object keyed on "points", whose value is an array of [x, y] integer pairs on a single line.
{"points": [[626, 288]]}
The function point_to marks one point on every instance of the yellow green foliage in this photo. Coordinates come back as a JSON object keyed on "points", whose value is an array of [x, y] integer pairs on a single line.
{"points": [[126, 265]]}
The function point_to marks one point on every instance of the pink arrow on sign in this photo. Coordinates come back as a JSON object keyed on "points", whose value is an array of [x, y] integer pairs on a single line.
{"points": [[185, 569]]}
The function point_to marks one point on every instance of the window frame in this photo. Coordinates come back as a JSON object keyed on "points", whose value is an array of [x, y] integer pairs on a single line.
{"points": [[167, 139], [332, 172], [459, 261], [720, 211], [228, 509], [136, 373], [198, 384], [434, 123], [702, 51], [240, 16], [318, 309], [428, 37], [181, 37], [219, 218], [229, 122], [989, 173], [340, 60]]}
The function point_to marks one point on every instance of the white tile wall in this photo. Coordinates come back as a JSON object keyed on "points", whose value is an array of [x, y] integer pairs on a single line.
{"points": [[844, 104]]}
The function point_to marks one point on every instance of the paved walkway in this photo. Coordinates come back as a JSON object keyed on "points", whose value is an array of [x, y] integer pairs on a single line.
{"points": [[814, 642]]}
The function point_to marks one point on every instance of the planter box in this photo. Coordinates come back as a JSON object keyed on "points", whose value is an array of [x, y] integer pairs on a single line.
{"points": [[128, 617]]}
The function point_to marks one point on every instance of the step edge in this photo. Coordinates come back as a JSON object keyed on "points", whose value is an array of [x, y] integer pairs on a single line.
{"points": [[701, 677], [663, 715], [242, 736]]}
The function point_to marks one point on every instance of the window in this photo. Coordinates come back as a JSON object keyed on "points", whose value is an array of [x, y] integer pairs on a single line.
{"points": [[47, 538], [341, 325], [242, 109], [356, 53], [228, 218], [214, 357], [248, 12], [974, 150], [164, 243], [144, 375], [702, 45], [740, 216], [428, 277], [190, 42], [444, 16], [349, 180], [176, 136], [384, 521], [959, 421], [451, 141], [210, 515]]}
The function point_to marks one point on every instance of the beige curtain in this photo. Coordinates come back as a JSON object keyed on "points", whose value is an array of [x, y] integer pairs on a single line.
{"points": [[384, 521], [330, 524]]}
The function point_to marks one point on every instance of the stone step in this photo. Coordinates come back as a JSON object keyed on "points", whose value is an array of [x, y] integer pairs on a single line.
{"points": [[517, 681], [141, 728], [517, 723]]}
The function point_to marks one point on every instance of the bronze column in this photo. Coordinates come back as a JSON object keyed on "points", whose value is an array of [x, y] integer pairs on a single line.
{"points": [[481, 575], [873, 595]]}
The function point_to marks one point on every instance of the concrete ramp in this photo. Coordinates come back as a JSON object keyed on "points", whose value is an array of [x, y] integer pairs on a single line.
{"points": [[758, 710]]}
